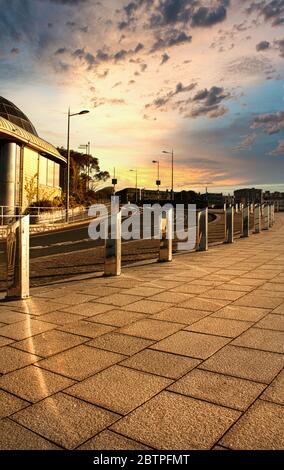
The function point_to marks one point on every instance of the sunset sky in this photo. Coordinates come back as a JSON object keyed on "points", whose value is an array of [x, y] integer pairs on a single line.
{"points": [[203, 77]]}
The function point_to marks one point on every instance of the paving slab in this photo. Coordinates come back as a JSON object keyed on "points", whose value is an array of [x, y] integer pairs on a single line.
{"points": [[220, 326], [275, 391], [12, 359], [187, 423], [119, 389], [120, 343], [151, 329], [218, 388], [261, 428], [65, 420], [117, 317], [161, 363], [200, 303], [181, 315], [251, 364], [9, 404], [258, 338], [80, 362], [33, 384], [49, 343], [16, 437], [147, 306], [237, 312], [109, 440], [86, 328], [191, 344]]}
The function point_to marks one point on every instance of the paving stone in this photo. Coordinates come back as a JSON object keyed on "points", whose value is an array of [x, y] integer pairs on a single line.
{"points": [[199, 303], [144, 291], [275, 391], [219, 389], [89, 309], [10, 404], [99, 291], [85, 328], [267, 340], [65, 420], [261, 428], [186, 316], [80, 362], [34, 306], [72, 298], [222, 294], [25, 329], [61, 318], [261, 274], [33, 384], [236, 312], [257, 300], [8, 316], [117, 317], [119, 300], [12, 359], [5, 341], [279, 310], [187, 423], [236, 287], [119, 389], [175, 298], [49, 343], [161, 363], [151, 329], [220, 326], [15, 437], [252, 364], [191, 289], [119, 343], [108, 440], [191, 344], [147, 306]]}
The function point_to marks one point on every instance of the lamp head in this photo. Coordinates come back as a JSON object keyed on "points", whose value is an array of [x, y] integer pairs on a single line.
{"points": [[85, 111]]}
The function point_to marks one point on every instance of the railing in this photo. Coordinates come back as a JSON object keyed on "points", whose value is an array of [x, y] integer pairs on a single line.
{"points": [[253, 219]]}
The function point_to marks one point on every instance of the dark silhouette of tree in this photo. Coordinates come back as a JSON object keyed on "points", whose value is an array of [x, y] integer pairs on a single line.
{"points": [[85, 175]]}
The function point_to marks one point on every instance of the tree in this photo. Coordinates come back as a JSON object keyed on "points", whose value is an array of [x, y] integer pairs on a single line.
{"points": [[85, 174]]}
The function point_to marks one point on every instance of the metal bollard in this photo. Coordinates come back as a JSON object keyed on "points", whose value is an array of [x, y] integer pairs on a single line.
{"points": [[270, 215], [245, 221], [202, 225], [18, 259], [257, 219], [166, 242], [230, 225], [266, 217], [225, 221], [237, 208], [112, 265]]}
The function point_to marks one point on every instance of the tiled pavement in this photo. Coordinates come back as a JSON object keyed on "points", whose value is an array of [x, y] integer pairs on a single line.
{"points": [[185, 355]]}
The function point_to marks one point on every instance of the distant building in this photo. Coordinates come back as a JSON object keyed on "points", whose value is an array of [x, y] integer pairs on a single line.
{"points": [[29, 166], [143, 195], [276, 197], [248, 195], [214, 199]]}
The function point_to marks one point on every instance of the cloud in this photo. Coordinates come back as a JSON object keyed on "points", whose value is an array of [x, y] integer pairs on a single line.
{"points": [[172, 37], [165, 58], [60, 51], [262, 46], [163, 100], [271, 10], [139, 47], [206, 16], [280, 46], [69, 2], [208, 103], [107, 101], [271, 122], [15, 51], [279, 149], [247, 142]]}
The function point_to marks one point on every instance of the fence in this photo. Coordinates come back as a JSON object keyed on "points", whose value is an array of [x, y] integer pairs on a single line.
{"points": [[49, 261]]}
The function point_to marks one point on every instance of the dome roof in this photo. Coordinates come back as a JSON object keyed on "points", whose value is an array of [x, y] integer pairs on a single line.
{"points": [[13, 114]]}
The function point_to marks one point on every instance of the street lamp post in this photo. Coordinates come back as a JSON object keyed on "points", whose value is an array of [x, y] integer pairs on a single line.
{"points": [[172, 154], [68, 159], [114, 181], [136, 185], [158, 182]]}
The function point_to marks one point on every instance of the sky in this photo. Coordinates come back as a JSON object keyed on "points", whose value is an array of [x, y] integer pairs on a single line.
{"points": [[204, 78]]}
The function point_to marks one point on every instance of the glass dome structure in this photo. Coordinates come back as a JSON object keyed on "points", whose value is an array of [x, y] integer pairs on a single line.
{"points": [[14, 115]]}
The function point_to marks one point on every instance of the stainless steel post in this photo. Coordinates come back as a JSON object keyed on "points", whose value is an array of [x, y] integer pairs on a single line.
{"points": [[230, 225], [202, 225], [245, 222], [257, 219], [166, 242], [266, 217], [112, 265], [18, 259]]}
